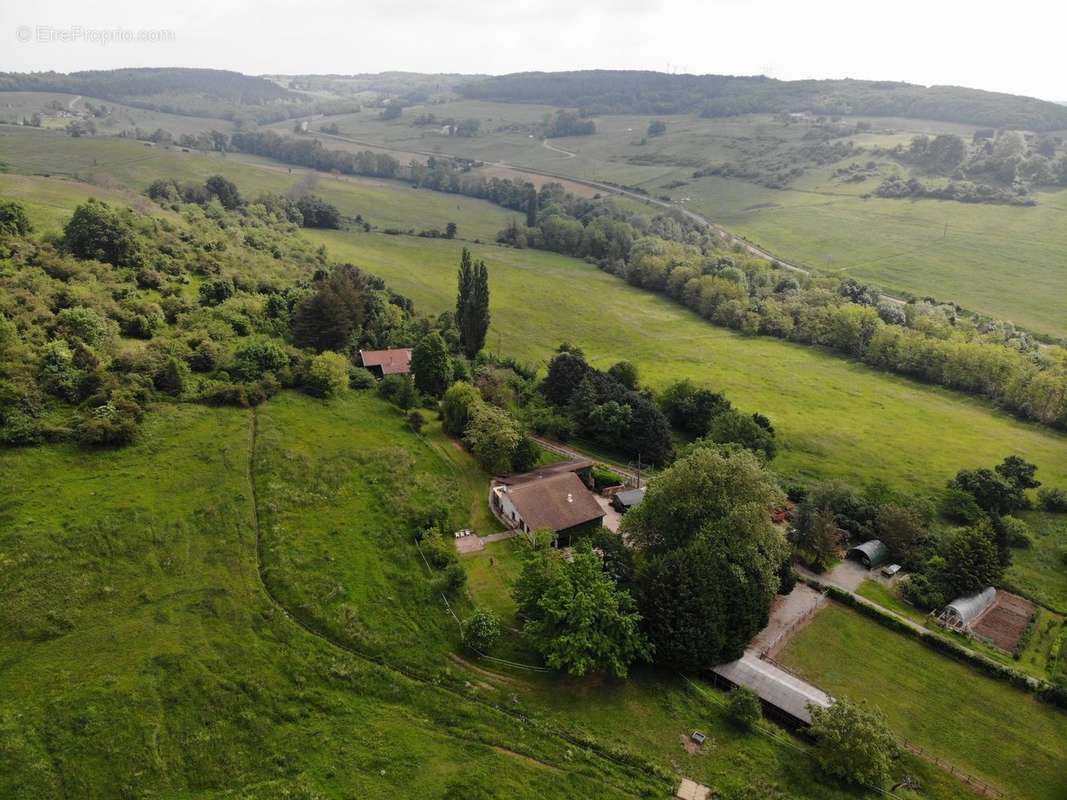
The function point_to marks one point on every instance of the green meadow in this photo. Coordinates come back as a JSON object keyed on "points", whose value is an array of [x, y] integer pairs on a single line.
{"points": [[1001, 260], [116, 164], [141, 656], [834, 417], [984, 726]]}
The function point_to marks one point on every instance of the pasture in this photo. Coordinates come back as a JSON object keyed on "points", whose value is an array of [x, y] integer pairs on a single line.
{"points": [[117, 164], [834, 417], [1041, 569], [980, 724], [999, 260], [140, 651]]}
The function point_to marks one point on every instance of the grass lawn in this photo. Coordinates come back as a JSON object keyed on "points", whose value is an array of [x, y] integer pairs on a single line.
{"points": [[1040, 569], [984, 726], [835, 418]]}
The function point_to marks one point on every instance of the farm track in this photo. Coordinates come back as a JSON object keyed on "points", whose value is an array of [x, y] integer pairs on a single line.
{"points": [[311, 629]]}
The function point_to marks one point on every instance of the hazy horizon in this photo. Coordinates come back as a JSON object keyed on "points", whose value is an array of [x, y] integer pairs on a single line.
{"points": [[782, 40]]}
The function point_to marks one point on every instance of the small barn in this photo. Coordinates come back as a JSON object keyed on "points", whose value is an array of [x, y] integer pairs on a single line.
{"points": [[387, 362], [624, 501], [964, 612], [871, 554], [785, 697]]}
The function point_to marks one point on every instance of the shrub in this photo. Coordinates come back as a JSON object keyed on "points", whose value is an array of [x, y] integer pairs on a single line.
{"points": [[360, 378], [481, 630], [97, 231], [13, 219], [744, 707], [1018, 532], [1052, 499], [113, 423], [327, 376], [415, 420], [921, 592], [398, 390], [453, 579], [256, 357]]}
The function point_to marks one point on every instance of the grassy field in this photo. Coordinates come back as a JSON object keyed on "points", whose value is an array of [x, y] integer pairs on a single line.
{"points": [[1040, 570], [14, 106], [834, 417], [984, 726], [140, 656], [1000, 260], [118, 164], [1034, 658]]}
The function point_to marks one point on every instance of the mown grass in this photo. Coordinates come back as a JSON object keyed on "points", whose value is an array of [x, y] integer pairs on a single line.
{"points": [[834, 417], [982, 725], [1040, 570]]}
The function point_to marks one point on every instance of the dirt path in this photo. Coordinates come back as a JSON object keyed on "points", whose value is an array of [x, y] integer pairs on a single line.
{"points": [[554, 149]]}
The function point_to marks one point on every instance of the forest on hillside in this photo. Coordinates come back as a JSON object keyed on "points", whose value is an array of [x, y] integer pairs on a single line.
{"points": [[618, 91]]}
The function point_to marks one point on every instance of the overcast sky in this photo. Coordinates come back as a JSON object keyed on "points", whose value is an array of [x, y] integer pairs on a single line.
{"points": [[1011, 47]]}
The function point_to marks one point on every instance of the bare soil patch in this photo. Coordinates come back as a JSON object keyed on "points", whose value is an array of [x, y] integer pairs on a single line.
{"points": [[1003, 624]]}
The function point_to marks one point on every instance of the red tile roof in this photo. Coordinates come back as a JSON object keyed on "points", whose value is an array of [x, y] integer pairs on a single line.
{"points": [[391, 362]]}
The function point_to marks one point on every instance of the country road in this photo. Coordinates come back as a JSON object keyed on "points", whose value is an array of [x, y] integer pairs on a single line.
{"points": [[732, 239]]}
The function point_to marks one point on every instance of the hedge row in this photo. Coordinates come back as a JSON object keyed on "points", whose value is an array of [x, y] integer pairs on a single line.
{"points": [[1054, 695]]}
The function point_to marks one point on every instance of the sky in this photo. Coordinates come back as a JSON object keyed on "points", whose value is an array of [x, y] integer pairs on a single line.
{"points": [[1004, 47]]}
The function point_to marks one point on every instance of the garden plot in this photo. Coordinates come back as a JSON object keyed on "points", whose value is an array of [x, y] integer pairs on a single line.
{"points": [[1004, 623]]}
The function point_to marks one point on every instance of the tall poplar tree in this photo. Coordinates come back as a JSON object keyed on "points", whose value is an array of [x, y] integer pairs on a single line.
{"points": [[472, 304]]}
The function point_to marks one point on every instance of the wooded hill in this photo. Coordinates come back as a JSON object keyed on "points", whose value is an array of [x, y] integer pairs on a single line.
{"points": [[619, 91]]}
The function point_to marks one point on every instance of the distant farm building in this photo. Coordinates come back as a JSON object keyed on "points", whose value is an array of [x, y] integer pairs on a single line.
{"points": [[387, 362], [624, 501], [553, 497], [785, 697], [871, 554]]}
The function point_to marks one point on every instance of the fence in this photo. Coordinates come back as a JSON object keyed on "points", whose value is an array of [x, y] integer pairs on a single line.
{"points": [[794, 626], [977, 784]]}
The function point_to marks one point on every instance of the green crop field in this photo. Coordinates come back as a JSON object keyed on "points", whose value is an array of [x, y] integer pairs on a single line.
{"points": [[980, 724], [1000, 260], [834, 417]]}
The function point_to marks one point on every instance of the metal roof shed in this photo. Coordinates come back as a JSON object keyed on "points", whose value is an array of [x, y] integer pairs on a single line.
{"points": [[775, 686], [871, 554], [963, 611]]}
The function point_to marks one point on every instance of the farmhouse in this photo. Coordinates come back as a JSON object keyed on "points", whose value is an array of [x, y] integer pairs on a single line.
{"points": [[871, 554], [555, 499], [387, 362], [784, 696]]}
